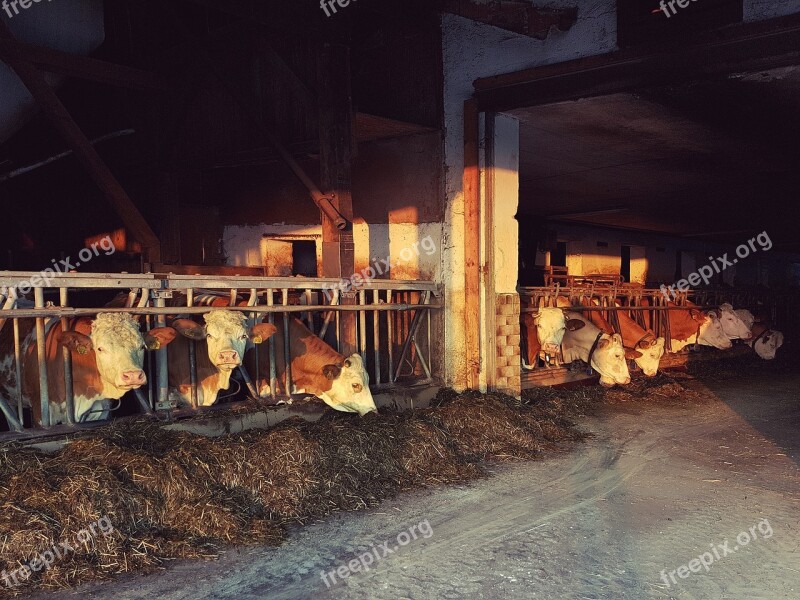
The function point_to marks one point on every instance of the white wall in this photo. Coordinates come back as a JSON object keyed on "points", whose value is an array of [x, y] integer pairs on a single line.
{"points": [[470, 51]]}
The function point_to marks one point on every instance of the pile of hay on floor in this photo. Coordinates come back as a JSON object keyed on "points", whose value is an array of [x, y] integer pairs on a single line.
{"points": [[172, 495]]}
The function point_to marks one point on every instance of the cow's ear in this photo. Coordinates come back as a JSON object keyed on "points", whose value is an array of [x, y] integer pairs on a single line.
{"points": [[697, 315], [575, 324], [632, 354], [331, 371], [157, 338], [75, 341], [603, 343], [190, 329], [262, 332]]}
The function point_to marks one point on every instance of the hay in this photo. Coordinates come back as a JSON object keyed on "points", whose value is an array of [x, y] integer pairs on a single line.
{"points": [[173, 495]]}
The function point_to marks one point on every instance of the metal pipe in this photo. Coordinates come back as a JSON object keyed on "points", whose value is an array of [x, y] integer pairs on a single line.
{"points": [[390, 337], [287, 352], [161, 358], [362, 326], [376, 335], [273, 372], [13, 423], [67, 357], [18, 369], [143, 402], [41, 356], [193, 372]]}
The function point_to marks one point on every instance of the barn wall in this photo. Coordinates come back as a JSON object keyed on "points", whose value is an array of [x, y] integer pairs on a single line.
{"points": [[472, 50]]}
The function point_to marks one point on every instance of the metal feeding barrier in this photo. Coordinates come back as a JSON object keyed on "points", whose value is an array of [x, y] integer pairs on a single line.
{"points": [[392, 325], [649, 307]]}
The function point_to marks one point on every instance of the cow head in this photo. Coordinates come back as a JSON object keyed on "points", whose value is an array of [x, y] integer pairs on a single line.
{"points": [[349, 390], [226, 336], [711, 332], [609, 360], [118, 348], [551, 325], [767, 345], [732, 324], [650, 352]]}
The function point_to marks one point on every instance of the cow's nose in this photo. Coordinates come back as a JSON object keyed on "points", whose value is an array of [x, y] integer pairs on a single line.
{"points": [[229, 357], [550, 348], [134, 377]]}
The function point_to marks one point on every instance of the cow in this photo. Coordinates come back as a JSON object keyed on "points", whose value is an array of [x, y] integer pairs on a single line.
{"points": [[544, 331], [316, 368], [222, 343], [692, 325], [602, 351], [764, 340], [732, 324], [107, 359], [639, 343]]}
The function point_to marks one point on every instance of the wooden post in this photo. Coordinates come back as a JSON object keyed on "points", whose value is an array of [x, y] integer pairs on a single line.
{"points": [[337, 147], [60, 118], [472, 240]]}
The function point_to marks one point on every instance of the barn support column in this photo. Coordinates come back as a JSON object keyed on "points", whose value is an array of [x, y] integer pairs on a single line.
{"points": [[337, 149], [499, 201]]}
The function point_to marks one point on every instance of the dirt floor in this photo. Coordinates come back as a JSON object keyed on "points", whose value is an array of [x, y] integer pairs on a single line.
{"points": [[657, 486]]}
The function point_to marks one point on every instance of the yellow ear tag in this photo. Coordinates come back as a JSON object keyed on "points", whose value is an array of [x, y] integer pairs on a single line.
{"points": [[82, 349], [154, 345], [258, 339]]}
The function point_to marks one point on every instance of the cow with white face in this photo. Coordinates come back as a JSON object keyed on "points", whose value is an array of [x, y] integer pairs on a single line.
{"points": [[602, 351], [107, 359], [712, 332], [551, 325], [765, 341], [317, 369], [226, 337], [732, 324]]}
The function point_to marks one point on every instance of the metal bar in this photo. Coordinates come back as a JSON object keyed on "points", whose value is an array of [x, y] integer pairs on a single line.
{"points": [[273, 372], [199, 310], [193, 372], [362, 326], [253, 301], [13, 423], [248, 382], [18, 369], [69, 394], [410, 338], [287, 352], [9, 304], [41, 356], [376, 335], [390, 337], [329, 315], [144, 404], [162, 361]]}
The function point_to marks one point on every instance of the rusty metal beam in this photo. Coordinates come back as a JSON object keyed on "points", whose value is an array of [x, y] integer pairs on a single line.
{"points": [[97, 169], [82, 67]]}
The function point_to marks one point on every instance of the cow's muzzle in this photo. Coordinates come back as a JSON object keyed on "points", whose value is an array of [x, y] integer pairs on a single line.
{"points": [[132, 379], [228, 358]]}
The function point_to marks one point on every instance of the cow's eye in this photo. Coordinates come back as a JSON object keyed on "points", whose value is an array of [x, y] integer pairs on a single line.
{"points": [[244, 337], [357, 387], [101, 349]]}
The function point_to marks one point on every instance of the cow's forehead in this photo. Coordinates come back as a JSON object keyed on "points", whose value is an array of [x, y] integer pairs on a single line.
{"points": [[225, 323], [117, 329]]}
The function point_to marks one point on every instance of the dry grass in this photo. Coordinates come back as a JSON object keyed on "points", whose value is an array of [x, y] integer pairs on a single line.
{"points": [[173, 495]]}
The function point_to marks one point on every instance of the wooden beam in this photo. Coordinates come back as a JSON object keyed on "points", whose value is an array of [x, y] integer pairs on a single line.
{"points": [[337, 147], [60, 118], [472, 242], [82, 67], [749, 47]]}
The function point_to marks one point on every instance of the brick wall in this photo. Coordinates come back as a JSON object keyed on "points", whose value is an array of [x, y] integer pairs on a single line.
{"points": [[507, 344]]}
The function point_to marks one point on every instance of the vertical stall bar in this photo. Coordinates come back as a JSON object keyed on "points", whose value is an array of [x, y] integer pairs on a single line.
{"points": [[390, 336], [273, 372], [161, 358], [376, 335], [287, 353], [67, 357], [192, 357], [362, 326], [18, 369], [41, 355]]}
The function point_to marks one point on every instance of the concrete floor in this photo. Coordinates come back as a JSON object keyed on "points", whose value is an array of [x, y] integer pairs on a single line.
{"points": [[656, 487]]}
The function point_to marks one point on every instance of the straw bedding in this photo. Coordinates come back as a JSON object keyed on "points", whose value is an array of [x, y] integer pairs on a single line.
{"points": [[173, 495]]}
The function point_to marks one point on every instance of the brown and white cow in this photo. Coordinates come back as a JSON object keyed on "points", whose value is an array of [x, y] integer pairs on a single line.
{"points": [[764, 340], [641, 344], [544, 330], [602, 351], [691, 326], [341, 382], [733, 326], [108, 354], [222, 343]]}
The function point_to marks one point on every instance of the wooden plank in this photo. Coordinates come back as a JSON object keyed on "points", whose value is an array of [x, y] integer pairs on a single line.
{"points": [[472, 220], [337, 147], [102, 176], [83, 67]]}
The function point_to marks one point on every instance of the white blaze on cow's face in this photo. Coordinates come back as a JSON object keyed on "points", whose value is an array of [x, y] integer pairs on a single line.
{"points": [[767, 346], [733, 326], [712, 334], [609, 360], [349, 387], [650, 357], [551, 325], [226, 338], [119, 352]]}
